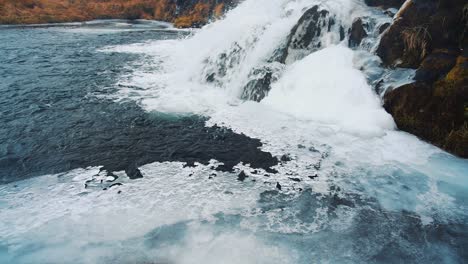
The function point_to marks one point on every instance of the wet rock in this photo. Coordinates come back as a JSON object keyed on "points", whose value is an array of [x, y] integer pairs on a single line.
{"points": [[384, 27], [304, 37], [278, 186], [357, 33], [430, 36], [436, 65], [436, 112], [259, 85], [133, 172], [342, 33], [242, 176], [285, 158], [421, 27], [115, 184], [391, 12], [295, 179]]}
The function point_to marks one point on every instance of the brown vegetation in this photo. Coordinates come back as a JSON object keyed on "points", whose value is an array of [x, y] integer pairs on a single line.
{"points": [[416, 41], [52, 11]]}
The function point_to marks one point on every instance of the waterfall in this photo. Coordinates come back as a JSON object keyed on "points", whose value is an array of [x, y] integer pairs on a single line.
{"points": [[261, 48]]}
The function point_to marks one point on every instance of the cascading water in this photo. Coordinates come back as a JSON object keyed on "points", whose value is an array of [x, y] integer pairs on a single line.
{"points": [[349, 187]]}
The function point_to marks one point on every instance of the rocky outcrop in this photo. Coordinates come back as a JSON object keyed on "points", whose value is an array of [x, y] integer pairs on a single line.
{"points": [[182, 13], [436, 112], [303, 39], [420, 28], [305, 35], [431, 36], [357, 33]]}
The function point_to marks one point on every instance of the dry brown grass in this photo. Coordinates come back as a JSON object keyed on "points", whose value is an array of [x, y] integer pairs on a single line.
{"points": [[46, 11], [417, 41]]}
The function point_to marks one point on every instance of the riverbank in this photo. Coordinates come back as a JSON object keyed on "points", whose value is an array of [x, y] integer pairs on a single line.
{"points": [[183, 15]]}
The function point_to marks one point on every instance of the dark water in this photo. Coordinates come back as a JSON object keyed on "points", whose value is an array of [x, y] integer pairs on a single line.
{"points": [[54, 115]]}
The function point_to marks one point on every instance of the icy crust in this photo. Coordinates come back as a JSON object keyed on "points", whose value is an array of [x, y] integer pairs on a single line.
{"points": [[182, 214], [86, 224]]}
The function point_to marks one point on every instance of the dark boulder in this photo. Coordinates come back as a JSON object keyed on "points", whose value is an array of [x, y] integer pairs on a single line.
{"points": [[436, 112], [384, 27], [357, 33], [303, 39], [278, 186], [242, 176], [430, 36], [421, 27], [304, 35], [259, 85], [133, 172], [436, 65]]}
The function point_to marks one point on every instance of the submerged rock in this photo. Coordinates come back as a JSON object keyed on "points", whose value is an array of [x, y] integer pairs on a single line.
{"points": [[242, 176], [278, 186], [133, 172], [285, 158]]}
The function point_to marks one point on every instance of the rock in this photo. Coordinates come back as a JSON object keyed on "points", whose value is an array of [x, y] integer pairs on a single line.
{"points": [[303, 38], [421, 27], [115, 184], [259, 85], [133, 172], [430, 36], [278, 186], [295, 179], [285, 158], [357, 33], [436, 65], [384, 27], [436, 112], [242, 176]]}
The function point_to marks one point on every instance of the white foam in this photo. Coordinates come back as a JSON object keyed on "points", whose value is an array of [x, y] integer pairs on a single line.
{"points": [[325, 87]]}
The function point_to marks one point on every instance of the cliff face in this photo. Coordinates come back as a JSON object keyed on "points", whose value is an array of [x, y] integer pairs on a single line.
{"points": [[432, 37], [183, 13]]}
